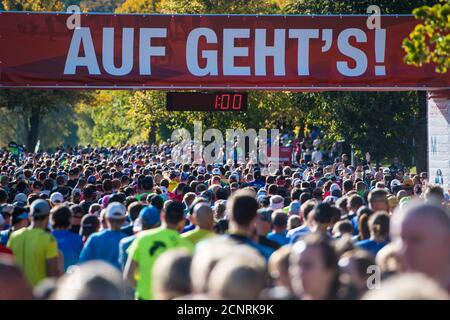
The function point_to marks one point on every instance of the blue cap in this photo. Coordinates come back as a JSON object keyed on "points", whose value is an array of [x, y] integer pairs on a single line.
{"points": [[261, 192], [294, 207], [150, 215], [39, 208], [91, 180], [261, 198], [184, 176], [22, 216]]}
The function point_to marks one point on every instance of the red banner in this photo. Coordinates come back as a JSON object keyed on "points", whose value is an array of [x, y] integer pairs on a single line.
{"points": [[209, 52], [284, 156]]}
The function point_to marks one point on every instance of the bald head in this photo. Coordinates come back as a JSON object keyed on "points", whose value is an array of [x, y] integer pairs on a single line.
{"points": [[435, 217], [424, 233], [204, 216]]}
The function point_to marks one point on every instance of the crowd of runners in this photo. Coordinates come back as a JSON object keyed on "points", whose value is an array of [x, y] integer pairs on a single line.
{"points": [[129, 223]]}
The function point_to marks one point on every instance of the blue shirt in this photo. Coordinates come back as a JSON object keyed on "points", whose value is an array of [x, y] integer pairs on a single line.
{"points": [[123, 247], [355, 225], [280, 238], [103, 245], [298, 233], [188, 228], [128, 230], [371, 245], [70, 244], [4, 237], [257, 183], [265, 251]]}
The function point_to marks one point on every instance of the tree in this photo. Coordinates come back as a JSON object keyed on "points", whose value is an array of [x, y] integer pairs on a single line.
{"points": [[139, 6], [146, 110], [353, 6], [111, 123], [36, 105], [100, 5], [201, 6], [240, 6], [381, 123], [430, 41], [371, 121], [33, 5]]}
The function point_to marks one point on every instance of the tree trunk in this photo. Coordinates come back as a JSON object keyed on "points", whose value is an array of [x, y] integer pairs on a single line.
{"points": [[421, 134], [33, 132], [152, 136], [302, 130]]}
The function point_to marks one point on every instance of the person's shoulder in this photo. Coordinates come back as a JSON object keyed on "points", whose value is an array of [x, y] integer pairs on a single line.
{"points": [[149, 234], [4, 233], [183, 242], [16, 234], [189, 233], [42, 234], [97, 235], [75, 236], [264, 250], [364, 242], [120, 234], [127, 240], [295, 231]]}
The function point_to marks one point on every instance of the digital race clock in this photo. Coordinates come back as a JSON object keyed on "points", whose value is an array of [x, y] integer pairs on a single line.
{"points": [[204, 101]]}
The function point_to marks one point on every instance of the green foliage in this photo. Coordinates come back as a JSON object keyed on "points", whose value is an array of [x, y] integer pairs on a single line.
{"points": [[105, 121], [33, 5], [353, 6], [382, 123], [40, 108], [200, 6], [143, 112], [240, 6], [52, 109], [430, 41], [100, 5]]}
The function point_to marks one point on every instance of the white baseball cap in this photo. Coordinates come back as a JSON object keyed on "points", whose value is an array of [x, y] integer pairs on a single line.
{"points": [[276, 202], [395, 183], [216, 171], [334, 186], [201, 170], [56, 197], [116, 210]]}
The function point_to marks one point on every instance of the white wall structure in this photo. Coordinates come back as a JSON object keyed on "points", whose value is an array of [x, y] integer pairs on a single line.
{"points": [[439, 138]]}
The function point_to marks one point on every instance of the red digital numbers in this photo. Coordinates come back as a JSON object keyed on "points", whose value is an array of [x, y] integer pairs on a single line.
{"points": [[237, 101], [227, 101]]}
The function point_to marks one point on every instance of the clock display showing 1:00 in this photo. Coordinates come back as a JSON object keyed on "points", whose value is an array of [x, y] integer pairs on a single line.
{"points": [[207, 101]]}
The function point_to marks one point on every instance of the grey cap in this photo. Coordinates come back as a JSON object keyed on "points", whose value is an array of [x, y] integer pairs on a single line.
{"points": [[39, 208]]}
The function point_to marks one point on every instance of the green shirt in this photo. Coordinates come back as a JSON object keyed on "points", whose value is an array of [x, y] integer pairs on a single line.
{"points": [[142, 196], [197, 235], [146, 249], [32, 248]]}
